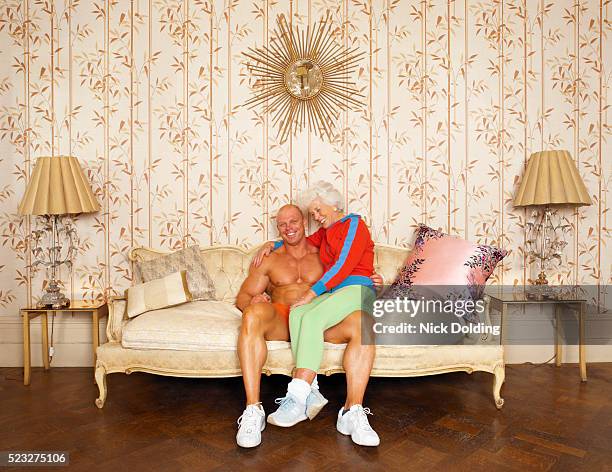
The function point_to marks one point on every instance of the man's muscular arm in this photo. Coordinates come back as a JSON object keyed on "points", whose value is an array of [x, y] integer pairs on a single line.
{"points": [[254, 285]]}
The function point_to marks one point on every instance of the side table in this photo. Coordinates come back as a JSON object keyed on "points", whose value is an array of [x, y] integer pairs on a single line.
{"points": [[501, 299], [96, 310]]}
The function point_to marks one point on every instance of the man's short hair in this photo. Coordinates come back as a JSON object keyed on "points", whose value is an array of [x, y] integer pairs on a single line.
{"points": [[289, 205]]}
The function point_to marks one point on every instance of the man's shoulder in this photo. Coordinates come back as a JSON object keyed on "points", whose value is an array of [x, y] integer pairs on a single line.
{"points": [[312, 249], [263, 268], [273, 259]]}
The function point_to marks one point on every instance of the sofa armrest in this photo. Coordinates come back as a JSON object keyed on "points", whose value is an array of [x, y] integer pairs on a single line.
{"points": [[116, 318]]}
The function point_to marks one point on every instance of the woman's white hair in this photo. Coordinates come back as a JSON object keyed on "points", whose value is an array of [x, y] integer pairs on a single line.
{"points": [[322, 190]]}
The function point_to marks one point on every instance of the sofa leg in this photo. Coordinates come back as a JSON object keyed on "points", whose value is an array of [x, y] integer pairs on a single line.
{"points": [[500, 375], [101, 381]]}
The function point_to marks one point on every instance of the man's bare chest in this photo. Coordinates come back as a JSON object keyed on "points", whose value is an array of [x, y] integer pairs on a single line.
{"points": [[289, 270]]}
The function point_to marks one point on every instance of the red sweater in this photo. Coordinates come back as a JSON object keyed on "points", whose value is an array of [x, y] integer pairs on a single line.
{"points": [[347, 253]]}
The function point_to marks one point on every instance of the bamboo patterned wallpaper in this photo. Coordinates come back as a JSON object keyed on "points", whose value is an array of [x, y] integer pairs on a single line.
{"points": [[148, 93]]}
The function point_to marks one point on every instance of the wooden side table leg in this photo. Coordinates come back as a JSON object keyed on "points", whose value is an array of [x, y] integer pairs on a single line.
{"points": [[45, 339], [96, 334], [582, 348], [558, 345], [26, 348]]}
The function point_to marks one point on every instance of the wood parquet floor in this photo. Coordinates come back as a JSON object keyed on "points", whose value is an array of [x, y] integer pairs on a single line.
{"points": [[550, 421]]}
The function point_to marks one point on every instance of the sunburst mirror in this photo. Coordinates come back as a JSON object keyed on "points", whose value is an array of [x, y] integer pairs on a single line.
{"points": [[304, 77]]}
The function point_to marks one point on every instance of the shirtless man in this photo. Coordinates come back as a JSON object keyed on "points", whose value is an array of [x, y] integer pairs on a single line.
{"points": [[264, 298]]}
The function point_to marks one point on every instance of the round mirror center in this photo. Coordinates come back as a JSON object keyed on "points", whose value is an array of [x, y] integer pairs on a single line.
{"points": [[304, 79]]}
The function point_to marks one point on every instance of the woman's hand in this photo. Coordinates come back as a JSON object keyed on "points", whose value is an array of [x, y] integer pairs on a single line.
{"points": [[264, 251], [378, 280], [305, 299]]}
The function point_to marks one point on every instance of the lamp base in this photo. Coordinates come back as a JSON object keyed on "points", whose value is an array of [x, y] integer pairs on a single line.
{"points": [[541, 289], [541, 280], [53, 297]]}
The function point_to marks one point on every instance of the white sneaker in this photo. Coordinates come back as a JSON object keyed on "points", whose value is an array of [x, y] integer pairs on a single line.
{"points": [[290, 412], [250, 425], [315, 403], [355, 423]]}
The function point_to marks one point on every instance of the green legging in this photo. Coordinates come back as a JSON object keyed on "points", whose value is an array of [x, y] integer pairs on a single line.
{"points": [[307, 323]]}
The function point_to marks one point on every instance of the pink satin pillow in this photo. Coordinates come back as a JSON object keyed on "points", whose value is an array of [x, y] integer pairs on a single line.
{"points": [[441, 259]]}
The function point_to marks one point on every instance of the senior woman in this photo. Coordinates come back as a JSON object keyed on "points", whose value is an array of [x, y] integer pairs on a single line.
{"points": [[346, 251]]}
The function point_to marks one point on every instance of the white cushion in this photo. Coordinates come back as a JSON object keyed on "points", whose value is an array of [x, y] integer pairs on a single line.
{"points": [[206, 325], [168, 291]]}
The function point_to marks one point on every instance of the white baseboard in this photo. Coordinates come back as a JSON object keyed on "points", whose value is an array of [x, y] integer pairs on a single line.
{"points": [[72, 343], [65, 355], [537, 354], [81, 355]]}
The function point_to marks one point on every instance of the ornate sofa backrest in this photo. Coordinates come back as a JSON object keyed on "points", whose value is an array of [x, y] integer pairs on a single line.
{"points": [[228, 266]]}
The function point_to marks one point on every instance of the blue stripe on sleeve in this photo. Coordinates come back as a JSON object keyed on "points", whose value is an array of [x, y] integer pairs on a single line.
{"points": [[318, 288], [346, 247]]}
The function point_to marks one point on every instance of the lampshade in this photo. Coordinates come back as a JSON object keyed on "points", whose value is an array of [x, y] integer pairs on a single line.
{"points": [[551, 178], [58, 187]]}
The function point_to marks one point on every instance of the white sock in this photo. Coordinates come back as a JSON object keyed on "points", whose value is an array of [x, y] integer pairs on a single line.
{"points": [[300, 389], [314, 383], [257, 405]]}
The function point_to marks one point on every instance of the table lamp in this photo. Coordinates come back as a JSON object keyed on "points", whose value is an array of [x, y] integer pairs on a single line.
{"points": [[551, 178], [57, 187]]}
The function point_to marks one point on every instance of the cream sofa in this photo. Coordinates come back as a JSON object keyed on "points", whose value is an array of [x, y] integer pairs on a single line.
{"points": [[198, 339]]}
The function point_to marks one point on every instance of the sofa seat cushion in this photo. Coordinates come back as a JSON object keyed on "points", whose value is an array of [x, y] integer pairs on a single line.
{"points": [[206, 325]]}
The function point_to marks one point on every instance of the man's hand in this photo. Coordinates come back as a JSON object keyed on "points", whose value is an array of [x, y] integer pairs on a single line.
{"points": [[306, 298], [264, 251], [261, 298]]}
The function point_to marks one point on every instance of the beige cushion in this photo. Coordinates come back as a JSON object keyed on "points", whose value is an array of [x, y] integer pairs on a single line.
{"points": [[160, 293], [189, 259], [195, 326]]}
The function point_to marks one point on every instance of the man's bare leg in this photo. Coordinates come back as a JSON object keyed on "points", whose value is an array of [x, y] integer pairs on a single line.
{"points": [[358, 360], [358, 357], [259, 323]]}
